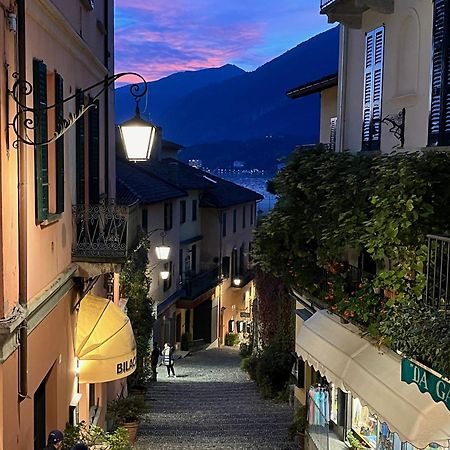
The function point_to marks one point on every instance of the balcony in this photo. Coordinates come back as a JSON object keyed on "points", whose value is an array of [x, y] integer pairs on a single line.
{"points": [[349, 12], [438, 273], [104, 233], [198, 284]]}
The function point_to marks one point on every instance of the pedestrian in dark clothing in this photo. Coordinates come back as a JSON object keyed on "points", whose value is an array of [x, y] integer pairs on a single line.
{"points": [[167, 354], [55, 440], [156, 353], [80, 446]]}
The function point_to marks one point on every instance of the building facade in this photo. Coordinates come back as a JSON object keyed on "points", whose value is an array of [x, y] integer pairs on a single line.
{"points": [[49, 192], [391, 96]]}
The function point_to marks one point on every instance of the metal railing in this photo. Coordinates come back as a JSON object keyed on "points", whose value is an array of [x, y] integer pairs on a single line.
{"points": [[325, 3], [198, 284], [438, 273], [103, 232]]}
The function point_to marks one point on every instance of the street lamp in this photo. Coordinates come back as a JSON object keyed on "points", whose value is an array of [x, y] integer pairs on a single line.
{"points": [[237, 281], [138, 135], [165, 273], [162, 251]]}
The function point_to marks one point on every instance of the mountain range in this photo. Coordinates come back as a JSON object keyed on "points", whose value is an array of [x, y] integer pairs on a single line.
{"points": [[225, 114]]}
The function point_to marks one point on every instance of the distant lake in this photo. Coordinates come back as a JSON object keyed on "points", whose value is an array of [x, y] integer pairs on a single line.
{"points": [[257, 184]]}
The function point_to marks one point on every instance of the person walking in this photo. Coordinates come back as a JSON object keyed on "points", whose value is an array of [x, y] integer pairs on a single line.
{"points": [[55, 440], [156, 353], [167, 354]]}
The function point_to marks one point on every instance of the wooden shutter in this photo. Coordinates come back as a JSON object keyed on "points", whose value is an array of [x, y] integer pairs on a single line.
{"points": [[373, 89], [40, 135], [333, 123], [59, 144], [80, 157], [94, 154], [438, 131]]}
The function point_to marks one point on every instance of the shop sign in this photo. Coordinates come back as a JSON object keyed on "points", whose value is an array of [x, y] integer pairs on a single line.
{"points": [[244, 314], [438, 388]]}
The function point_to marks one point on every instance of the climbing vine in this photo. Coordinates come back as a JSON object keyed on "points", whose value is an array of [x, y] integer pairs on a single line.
{"points": [[331, 205]]}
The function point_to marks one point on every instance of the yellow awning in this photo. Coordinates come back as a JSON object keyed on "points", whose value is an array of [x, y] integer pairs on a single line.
{"points": [[104, 344]]}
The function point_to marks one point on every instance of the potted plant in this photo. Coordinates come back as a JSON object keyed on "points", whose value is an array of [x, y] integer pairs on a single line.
{"points": [[127, 412], [354, 442], [298, 426]]}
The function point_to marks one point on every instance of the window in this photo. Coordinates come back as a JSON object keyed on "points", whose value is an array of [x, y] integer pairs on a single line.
{"points": [[252, 214], [234, 220], [242, 267], [439, 126], [168, 216], [234, 263], [193, 259], [182, 211], [144, 221], [167, 284], [249, 252], [94, 154], [194, 210], [244, 216], [226, 266], [48, 159], [224, 224], [180, 264], [373, 89], [79, 150]]}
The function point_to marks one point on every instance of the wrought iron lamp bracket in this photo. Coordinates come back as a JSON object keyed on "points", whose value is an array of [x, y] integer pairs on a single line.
{"points": [[397, 126], [25, 117]]}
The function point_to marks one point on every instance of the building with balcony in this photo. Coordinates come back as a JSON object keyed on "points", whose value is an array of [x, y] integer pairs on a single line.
{"points": [[391, 95], [62, 239], [208, 223]]}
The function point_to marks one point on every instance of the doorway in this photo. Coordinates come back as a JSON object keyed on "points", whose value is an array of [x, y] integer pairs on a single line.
{"points": [[39, 417]]}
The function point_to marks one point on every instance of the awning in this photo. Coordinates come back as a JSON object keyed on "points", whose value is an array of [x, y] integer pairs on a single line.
{"points": [[104, 343], [373, 375]]}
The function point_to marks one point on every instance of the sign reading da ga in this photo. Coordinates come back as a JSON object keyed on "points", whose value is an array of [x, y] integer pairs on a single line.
{"points": [[438, 388]]}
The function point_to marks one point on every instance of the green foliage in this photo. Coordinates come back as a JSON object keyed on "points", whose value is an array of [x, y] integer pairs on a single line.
{"points": [[299, 422], [186, 341], [95, 437], [246, 348], [135, 280], [231, 339], [329, 203], [354, 442], [126, 409]]}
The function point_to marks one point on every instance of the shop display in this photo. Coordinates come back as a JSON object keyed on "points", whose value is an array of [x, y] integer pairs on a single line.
{"points": [[364, 423], [319, 406]]}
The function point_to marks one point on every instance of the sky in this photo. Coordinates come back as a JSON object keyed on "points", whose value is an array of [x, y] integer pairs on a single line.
{"points": [[158, 37]]}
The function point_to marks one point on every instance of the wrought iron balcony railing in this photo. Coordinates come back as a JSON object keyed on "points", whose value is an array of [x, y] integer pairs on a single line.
{"points": [[438, 273], [195, 285], [104, 232]]}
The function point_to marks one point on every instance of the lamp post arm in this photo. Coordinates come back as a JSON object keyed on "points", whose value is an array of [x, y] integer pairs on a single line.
{"points": [[26, 115]]}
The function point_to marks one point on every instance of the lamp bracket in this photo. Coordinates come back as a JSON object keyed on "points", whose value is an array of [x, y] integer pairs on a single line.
{"points": [[26, 115]]}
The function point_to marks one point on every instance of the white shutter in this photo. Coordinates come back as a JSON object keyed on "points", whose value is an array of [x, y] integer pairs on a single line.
{"points": [[373, 89], [333, 123]]}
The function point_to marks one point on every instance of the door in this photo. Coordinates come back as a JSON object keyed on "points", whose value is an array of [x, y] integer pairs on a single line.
{"points": [[39, 417], [202, 321]]}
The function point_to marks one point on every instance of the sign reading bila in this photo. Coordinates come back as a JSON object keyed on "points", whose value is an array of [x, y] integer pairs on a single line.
{"points": [[438, 388]]}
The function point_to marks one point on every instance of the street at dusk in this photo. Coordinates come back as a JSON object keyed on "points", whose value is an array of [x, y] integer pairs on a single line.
{"points": [[225, 225]]}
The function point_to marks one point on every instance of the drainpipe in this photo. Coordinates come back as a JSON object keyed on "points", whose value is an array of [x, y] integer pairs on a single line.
{"points": [[22, 207], [342, 92], [106, 56]]}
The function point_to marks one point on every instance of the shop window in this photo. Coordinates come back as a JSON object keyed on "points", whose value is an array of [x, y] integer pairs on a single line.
{"points": [[364, 424]]}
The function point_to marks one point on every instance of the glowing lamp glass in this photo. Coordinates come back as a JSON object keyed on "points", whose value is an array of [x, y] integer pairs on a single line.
{"points": [[162, 252], [237, 281], [138, 138], [164, 274]]}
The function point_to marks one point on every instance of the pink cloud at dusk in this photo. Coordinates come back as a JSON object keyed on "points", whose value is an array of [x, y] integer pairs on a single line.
{"points": [[157, 38]]}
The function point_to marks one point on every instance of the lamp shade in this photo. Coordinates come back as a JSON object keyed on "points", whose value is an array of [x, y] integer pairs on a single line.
{"points": [[138, 138], [164, 274], [237, 281], [162, 252]]}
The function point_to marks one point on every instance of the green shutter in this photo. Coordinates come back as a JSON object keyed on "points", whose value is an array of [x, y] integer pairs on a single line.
{"points": [[40, 135], [94, 154], [79, 131], [59, 145]]}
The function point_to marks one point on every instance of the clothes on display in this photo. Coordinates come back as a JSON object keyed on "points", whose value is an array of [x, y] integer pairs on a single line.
{"points": [[319, 405]]}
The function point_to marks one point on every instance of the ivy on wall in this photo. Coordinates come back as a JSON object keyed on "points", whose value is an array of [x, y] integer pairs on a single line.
{"points": [[384, 206]]}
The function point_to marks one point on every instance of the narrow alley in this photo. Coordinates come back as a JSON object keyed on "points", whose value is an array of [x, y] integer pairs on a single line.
{"points": [[212, 404]]}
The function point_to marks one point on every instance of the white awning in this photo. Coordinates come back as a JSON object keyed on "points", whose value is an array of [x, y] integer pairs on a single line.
{"points": [[373, 375]]}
